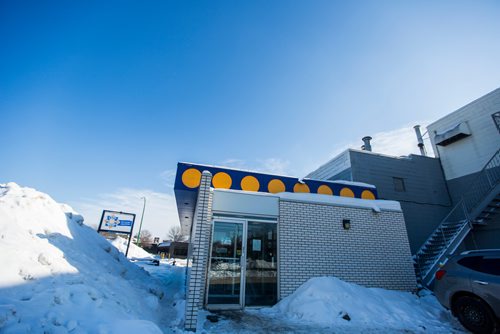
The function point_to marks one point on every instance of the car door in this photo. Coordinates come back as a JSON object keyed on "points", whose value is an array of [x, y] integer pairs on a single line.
{"points": [[486, 283]]}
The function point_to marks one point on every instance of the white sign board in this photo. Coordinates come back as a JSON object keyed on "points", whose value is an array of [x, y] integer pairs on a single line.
{"points": [[256, 245], [119, 222]]}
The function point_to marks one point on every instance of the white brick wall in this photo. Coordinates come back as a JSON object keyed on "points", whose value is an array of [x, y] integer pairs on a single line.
{"points": [[200, 246], [374, 252]]}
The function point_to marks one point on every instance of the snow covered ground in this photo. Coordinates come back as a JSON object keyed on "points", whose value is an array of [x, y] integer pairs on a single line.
{"points": [[134, 251], [329, 305], [59, 276]]}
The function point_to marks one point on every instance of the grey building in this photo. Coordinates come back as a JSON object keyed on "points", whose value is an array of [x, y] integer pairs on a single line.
{"points": [[467, 141], [451, 202]]}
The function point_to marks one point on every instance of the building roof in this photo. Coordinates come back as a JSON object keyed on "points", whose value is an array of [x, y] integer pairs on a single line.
{"points": [[188, 179]]}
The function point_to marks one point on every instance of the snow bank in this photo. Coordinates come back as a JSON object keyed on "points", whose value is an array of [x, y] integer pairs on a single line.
{"points": [[134, 251], [329, 301], [59, 276]]}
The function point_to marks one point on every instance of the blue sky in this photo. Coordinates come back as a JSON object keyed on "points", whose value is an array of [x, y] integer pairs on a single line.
{"points": [[99, 101]]}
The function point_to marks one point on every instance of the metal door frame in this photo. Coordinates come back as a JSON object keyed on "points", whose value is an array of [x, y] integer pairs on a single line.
{"points": [[243, 266], [243, 260]]}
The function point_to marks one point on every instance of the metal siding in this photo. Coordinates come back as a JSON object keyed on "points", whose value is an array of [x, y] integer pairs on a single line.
{"points": [[469, 154], [424, 203], [423, 177]]}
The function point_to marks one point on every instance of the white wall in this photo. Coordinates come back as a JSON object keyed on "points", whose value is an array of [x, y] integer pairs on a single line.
{"points": [[470, 154], [236, 202], [374, 252]]}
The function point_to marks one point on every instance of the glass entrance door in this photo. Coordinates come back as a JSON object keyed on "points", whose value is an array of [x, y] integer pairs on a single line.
{"points": [[225, 271], [261, 279]]}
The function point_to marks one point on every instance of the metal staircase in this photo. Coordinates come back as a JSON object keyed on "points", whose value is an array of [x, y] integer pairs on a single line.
{"points": [[477, 206]]}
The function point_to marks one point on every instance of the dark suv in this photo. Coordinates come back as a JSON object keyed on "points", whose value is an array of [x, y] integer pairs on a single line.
{"points": [[469, 285]]}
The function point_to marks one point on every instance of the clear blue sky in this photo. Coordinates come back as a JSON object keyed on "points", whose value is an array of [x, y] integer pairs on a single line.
{"points": [[98, 96]]}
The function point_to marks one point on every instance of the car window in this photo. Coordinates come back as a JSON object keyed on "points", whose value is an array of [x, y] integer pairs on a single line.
{"points": [[487, 265], [490, 266], [471, 262]]}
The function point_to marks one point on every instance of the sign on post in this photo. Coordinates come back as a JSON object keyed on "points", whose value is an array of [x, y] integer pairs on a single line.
{"points": [[117, 222]]}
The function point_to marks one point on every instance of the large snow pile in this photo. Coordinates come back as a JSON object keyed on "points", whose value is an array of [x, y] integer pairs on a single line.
{"points": [[59, 276], [134, 251], [329, 301]]}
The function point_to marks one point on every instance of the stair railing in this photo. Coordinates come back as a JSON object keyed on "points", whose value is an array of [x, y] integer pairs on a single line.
{"points": [[487, 179], [463, 216]]}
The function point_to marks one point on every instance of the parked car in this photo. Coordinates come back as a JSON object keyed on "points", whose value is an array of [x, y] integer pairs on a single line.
{"points": [[469, 285]]}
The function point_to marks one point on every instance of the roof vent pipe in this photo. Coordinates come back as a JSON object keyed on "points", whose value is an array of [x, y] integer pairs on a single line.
{"points": [[366, 146], [420, 140]]}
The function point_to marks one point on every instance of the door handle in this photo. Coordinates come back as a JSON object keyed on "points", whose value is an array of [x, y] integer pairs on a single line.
{"points": [[480, 282]]}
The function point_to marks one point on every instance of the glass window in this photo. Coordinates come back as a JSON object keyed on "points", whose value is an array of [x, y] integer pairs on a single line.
{"points": [[225, 264], [262, 267], [471, 262], [490, 266], [487, 265], [399, 184]]}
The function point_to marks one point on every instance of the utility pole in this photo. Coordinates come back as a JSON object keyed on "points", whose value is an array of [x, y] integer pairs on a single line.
{"points": [[140, 225]]}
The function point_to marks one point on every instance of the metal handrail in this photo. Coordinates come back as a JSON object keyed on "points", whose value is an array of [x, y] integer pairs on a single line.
{"points": [[466, 221], [469, 202], [440, 224], [488, 178], [462, 200]]}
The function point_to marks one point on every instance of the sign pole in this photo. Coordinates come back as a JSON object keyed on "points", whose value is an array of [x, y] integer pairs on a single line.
{"points": [[128, 244], [130, 235], [140, 226]]}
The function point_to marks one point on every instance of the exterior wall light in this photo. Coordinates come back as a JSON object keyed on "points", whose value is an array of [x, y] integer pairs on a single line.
{"points": [[346, 223]]}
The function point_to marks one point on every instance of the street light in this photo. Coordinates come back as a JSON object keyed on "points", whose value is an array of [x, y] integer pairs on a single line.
{"points": [[140, 225]]}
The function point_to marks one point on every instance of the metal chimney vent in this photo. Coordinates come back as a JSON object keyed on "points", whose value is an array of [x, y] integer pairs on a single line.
{"points": [[420, 140], [366, 141]]}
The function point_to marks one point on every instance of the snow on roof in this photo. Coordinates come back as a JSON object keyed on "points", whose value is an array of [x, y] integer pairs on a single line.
{"points": [[376, 204], [353, 183]]}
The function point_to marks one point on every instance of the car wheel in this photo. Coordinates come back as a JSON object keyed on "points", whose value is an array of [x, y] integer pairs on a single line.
{"points": [[475, 315]]}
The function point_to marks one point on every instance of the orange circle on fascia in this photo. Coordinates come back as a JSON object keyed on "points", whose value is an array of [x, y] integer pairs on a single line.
{"points": [[346, 192], [191, 178], [301, 188], [222, 180], [250, 183], [276, 186], [325, 190], [367, 194]]}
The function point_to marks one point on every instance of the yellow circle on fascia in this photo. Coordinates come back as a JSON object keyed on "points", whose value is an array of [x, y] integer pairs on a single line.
{"points": [[250, 183], [301, 188], [191, 178], [325, 190], [222, 180], [346, 192], [367, 194], [276, 186]]}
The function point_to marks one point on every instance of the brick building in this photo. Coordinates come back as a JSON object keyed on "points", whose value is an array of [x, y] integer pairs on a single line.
{"points": [[255, 238]]}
